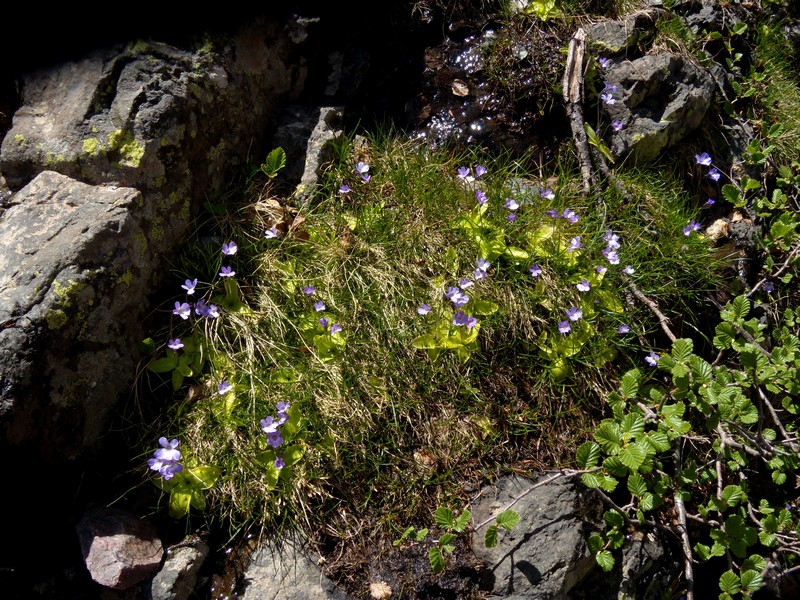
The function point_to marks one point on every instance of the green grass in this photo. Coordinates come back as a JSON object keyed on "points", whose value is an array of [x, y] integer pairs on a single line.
{"points": [[382, 418]]}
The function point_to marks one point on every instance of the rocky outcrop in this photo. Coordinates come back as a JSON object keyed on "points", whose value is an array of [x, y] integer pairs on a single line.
{"points": [[113, 155]]}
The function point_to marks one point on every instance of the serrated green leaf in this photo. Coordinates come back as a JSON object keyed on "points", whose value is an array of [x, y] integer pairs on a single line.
{"points": [[490, 539], [729, 582], [632, 426], [632, 456], [609, 437], [595, 543], [637, 485], [608, 484], [508, 519], [444, 517], [751, 581], [605, 559], [682, 349], [733, 494], [703, 552], [629, 384], [588, 455], [613, 519], [592, 480], [462, 521], [436, 559]]}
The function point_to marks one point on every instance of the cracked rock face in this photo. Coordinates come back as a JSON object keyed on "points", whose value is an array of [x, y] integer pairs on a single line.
{"points": [[660, 99]]}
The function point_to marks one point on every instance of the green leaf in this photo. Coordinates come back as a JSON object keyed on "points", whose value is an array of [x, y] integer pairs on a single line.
{"points": [[293, 454], [605, 559], [732, 194], [733, 494], [508, 519], [632, 456], [421, 534], [592, 480], [202, 477], [740, 308], [752, 581], [462, 521], [276, 160], [595, 543], [446, 540], [637, 485], [682, 349], [729, 582], [588, 455], [444, 517], [609, 437], [483, 308], [177, 380], [163, 365], [179, 503], [424, 342], [632, 426], [490, 540], [703, 552], [198, 502], [517, 255], [614, 519], [629, 385], [436, 559]]}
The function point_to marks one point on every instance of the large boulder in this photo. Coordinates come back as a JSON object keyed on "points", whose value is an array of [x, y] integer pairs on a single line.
{"points": [[112, 157]]}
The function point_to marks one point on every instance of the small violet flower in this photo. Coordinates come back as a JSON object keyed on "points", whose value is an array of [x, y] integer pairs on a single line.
{"points": [[165, 459], [189, 285], [569, 215], [564, 327], [182, 309], [480, 171], [623, 329], [480, 196], [692, 226], [229, 249], [603, 61], [511, 217], [629, 270], [226, 272], [584, 286], [652, 359], [366, 177], [224, 387], [601, 269], [703, 159], [272, 233], [552, 213], [547, 194], [279, 463], [344, 189], [460, 319], [274, 439], [709, 202], [713, 174], [535, 270], [319, 306], [612, 239], [465, 283], [511, 204], [175, 344], [574, 244], [616, 125], [611, 256], [213, 311], [768, 287], [463, 172], [483, 264], [324, 322], [309, 289], [574, 313], [423, 310], [335, 328], [362, 168]]}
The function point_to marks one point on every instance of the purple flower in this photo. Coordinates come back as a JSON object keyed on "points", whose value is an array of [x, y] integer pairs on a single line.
{"points": [[608, 98], [309, 289], [182, 309], [623, 329], [224, 387], [629, 270], [366, 177], [319, 306], [692, 226], [574, 313], [213, 311], [344, 189], [465, 283], [456, 297], [535, 270], [547, 194], [274, 439], [612, 240], [480, 196], [335, 328], [601, 269], [463, 172], [603, 62], [269, 425], [272, 233], [189, 286], [423, 310], [460, 319], [229, 249], [201, 308], [175, 344], [512, 217], [511, 204], [282, 407], [564, 327], [713, 174], [652, 359], [709, 202], [611, 256], [575, 244], [768, 287], [609, 87], [584, 286], [483, 264], [569, 215], [165, 459], [552, 213], [324, 322], [362, 168], [703, 159], [226, 272], [480, 171], [616, 125], [279, 462]]}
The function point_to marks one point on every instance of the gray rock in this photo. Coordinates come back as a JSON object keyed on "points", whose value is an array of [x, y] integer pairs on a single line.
{"points": [[648, 568], [72, 257], [287, 571], [614, 37], [177, 578], [545, 555], [119, 550], [660, 99]]}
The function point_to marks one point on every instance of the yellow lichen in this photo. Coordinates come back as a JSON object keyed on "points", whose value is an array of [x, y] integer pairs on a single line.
{"points": [[131, 151], [92, 146], [56, 319]]}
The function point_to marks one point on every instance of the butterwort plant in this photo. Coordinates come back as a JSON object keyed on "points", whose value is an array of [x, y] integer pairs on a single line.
{"points": [[185, 483]]}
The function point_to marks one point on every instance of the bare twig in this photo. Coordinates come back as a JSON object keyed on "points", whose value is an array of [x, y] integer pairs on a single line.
{"points": [[662, 319], [573, 94], [786, 264], [773, 413], [688, 571]]}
